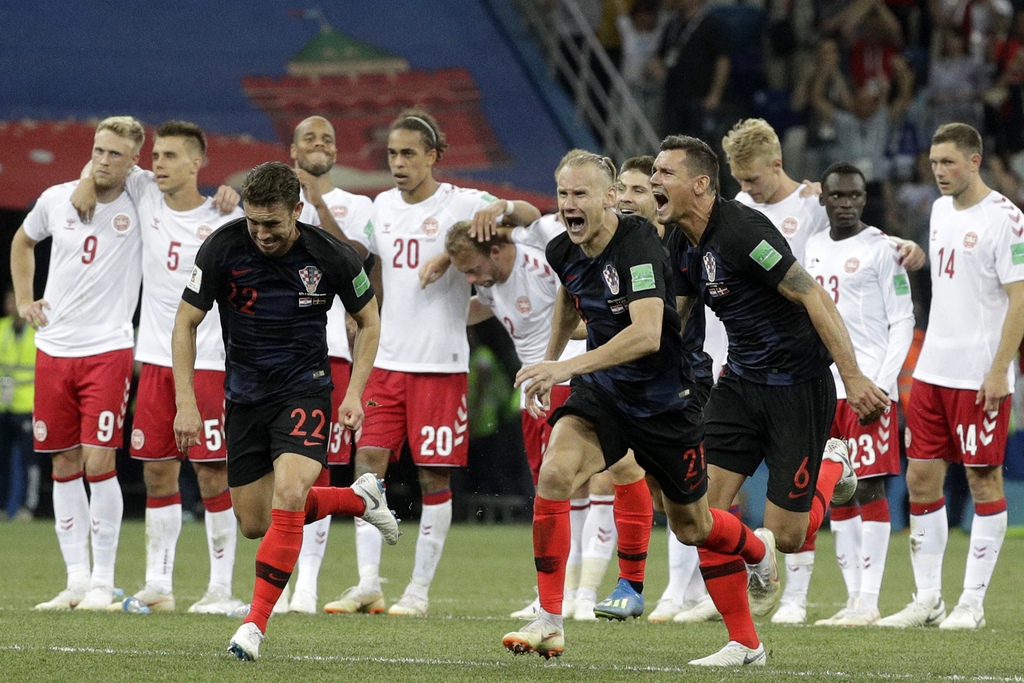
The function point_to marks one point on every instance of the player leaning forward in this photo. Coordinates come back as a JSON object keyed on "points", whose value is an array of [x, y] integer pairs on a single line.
{"points": [[273, 280], [632, 389]]}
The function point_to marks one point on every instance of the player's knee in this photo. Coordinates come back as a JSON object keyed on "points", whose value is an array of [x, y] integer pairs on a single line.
{"points": [[790, 540], [554, 481], [253, 528]]}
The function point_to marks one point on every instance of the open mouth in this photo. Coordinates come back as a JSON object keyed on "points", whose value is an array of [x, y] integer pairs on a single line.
{"points": [[660, 198], [574, 223], [627, 210]]}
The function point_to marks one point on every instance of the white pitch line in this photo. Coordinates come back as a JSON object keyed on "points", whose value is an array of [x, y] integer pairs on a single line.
{"points": [[420, 661]]}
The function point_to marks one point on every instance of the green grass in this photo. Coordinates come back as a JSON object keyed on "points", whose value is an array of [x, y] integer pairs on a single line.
{"points": [[485, 574]]}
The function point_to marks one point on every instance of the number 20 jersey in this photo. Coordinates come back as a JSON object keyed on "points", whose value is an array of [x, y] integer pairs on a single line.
{"points": [[422, 329]]}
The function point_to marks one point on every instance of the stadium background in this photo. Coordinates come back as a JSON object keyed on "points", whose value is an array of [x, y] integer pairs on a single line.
{"points": [[242, 71]]}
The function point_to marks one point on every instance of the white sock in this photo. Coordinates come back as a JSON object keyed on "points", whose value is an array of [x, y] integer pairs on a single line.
{"points": [[368, 549], [987, 534], [221, 539], [928, 536], [599, 538], [71, 522], [579, 508], [799, 567], [874, 548], [848, 535], [435, 521], [106, 508], [678, 576], [314, 545], [163, 526]]}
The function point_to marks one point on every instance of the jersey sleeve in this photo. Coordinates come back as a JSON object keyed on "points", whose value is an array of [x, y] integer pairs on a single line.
{"points": [[642, 266], [344, 270], [538, 233], [758, 248], [1009, 247], [202, 285], [37, 222], [899, 311], [139, 182], [359, 224]]}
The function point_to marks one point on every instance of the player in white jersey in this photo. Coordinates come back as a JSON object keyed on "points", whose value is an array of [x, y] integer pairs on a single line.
{"points": [[856, 264], [755, 161], [346, 216], [177, 219], [960, 399], [84, 362], [417, 390]]}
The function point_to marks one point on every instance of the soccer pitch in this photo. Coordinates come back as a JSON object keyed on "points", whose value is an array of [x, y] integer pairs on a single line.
{"points": [[486, 573]]}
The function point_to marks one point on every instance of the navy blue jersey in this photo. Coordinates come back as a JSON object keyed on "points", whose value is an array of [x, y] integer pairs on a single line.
{"points": [[633, 266], [273, 310], [696, 323], [736, 270]]}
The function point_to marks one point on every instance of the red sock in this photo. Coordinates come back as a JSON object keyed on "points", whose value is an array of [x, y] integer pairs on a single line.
{"points": [[726, 579], [551, 539], [634, 516], [332, 500], [875, 511], [730, 536], [828, 476], [218, 503], [275, 560]]}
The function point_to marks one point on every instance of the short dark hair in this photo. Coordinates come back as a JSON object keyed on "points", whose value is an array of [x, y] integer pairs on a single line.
{"points": [[419, 121], [458, 240], [644, 164], [842, 168], [964, 137], [700, 158], [184, 129], [269, 184]]}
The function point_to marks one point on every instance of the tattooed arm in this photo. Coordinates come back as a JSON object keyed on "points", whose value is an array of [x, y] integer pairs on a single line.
{"points": [[866, 399]]}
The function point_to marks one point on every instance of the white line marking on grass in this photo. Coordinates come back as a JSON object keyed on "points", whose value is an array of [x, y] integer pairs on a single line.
{"points": [[420, 661]]}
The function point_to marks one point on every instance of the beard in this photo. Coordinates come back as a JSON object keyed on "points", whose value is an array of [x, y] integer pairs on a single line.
{"points": [[316, 169]]}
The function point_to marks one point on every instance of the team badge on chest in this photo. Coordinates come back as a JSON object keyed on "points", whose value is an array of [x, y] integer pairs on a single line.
{"points": [[611, 278], [710, 266], [310, 276]]}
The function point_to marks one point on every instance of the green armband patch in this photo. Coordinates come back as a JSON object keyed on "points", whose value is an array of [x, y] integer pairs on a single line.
{"points": [[901, 285], [765, 255], [361, 283], [489, 197], [368, 230], [642, 277], [1017, 250]]}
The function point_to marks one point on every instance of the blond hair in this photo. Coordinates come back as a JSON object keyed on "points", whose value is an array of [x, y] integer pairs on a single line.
{"points": [[580, 157], [751, 141], [125, 127]]}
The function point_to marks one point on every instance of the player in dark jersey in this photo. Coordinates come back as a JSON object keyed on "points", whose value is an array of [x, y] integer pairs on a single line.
{"points": [[633, 389], [776, 399], [274, 279]]}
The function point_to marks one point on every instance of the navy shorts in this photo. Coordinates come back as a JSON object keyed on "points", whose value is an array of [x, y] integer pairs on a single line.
{"points": [[785, 426], [257, 433], [667, 445]]}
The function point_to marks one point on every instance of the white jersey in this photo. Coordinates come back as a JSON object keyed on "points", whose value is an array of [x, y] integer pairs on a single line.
{"points": [[796, 217], [973, 253], [352, 214], [539, 233], [422, 330], [869, 287], [170, 241], [92, 286]]}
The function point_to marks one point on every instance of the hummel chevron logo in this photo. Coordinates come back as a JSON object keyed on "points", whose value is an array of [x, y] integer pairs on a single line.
{"points": [[979, 553], [66, 523], [885, 420]]}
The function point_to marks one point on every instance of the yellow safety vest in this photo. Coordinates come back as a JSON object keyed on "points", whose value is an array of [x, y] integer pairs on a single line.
{"points": [[17, 367]]}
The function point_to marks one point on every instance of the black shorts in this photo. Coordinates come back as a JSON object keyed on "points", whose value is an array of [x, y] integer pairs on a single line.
{"points": [[667, 445], [256, 434], [787, 427]]}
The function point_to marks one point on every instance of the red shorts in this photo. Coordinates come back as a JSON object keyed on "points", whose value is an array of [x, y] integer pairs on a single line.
{"points": [[946, 424], [537, 431], [153, 428], [875, 448], [339, 448], [81, 401], [427, 408]]}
